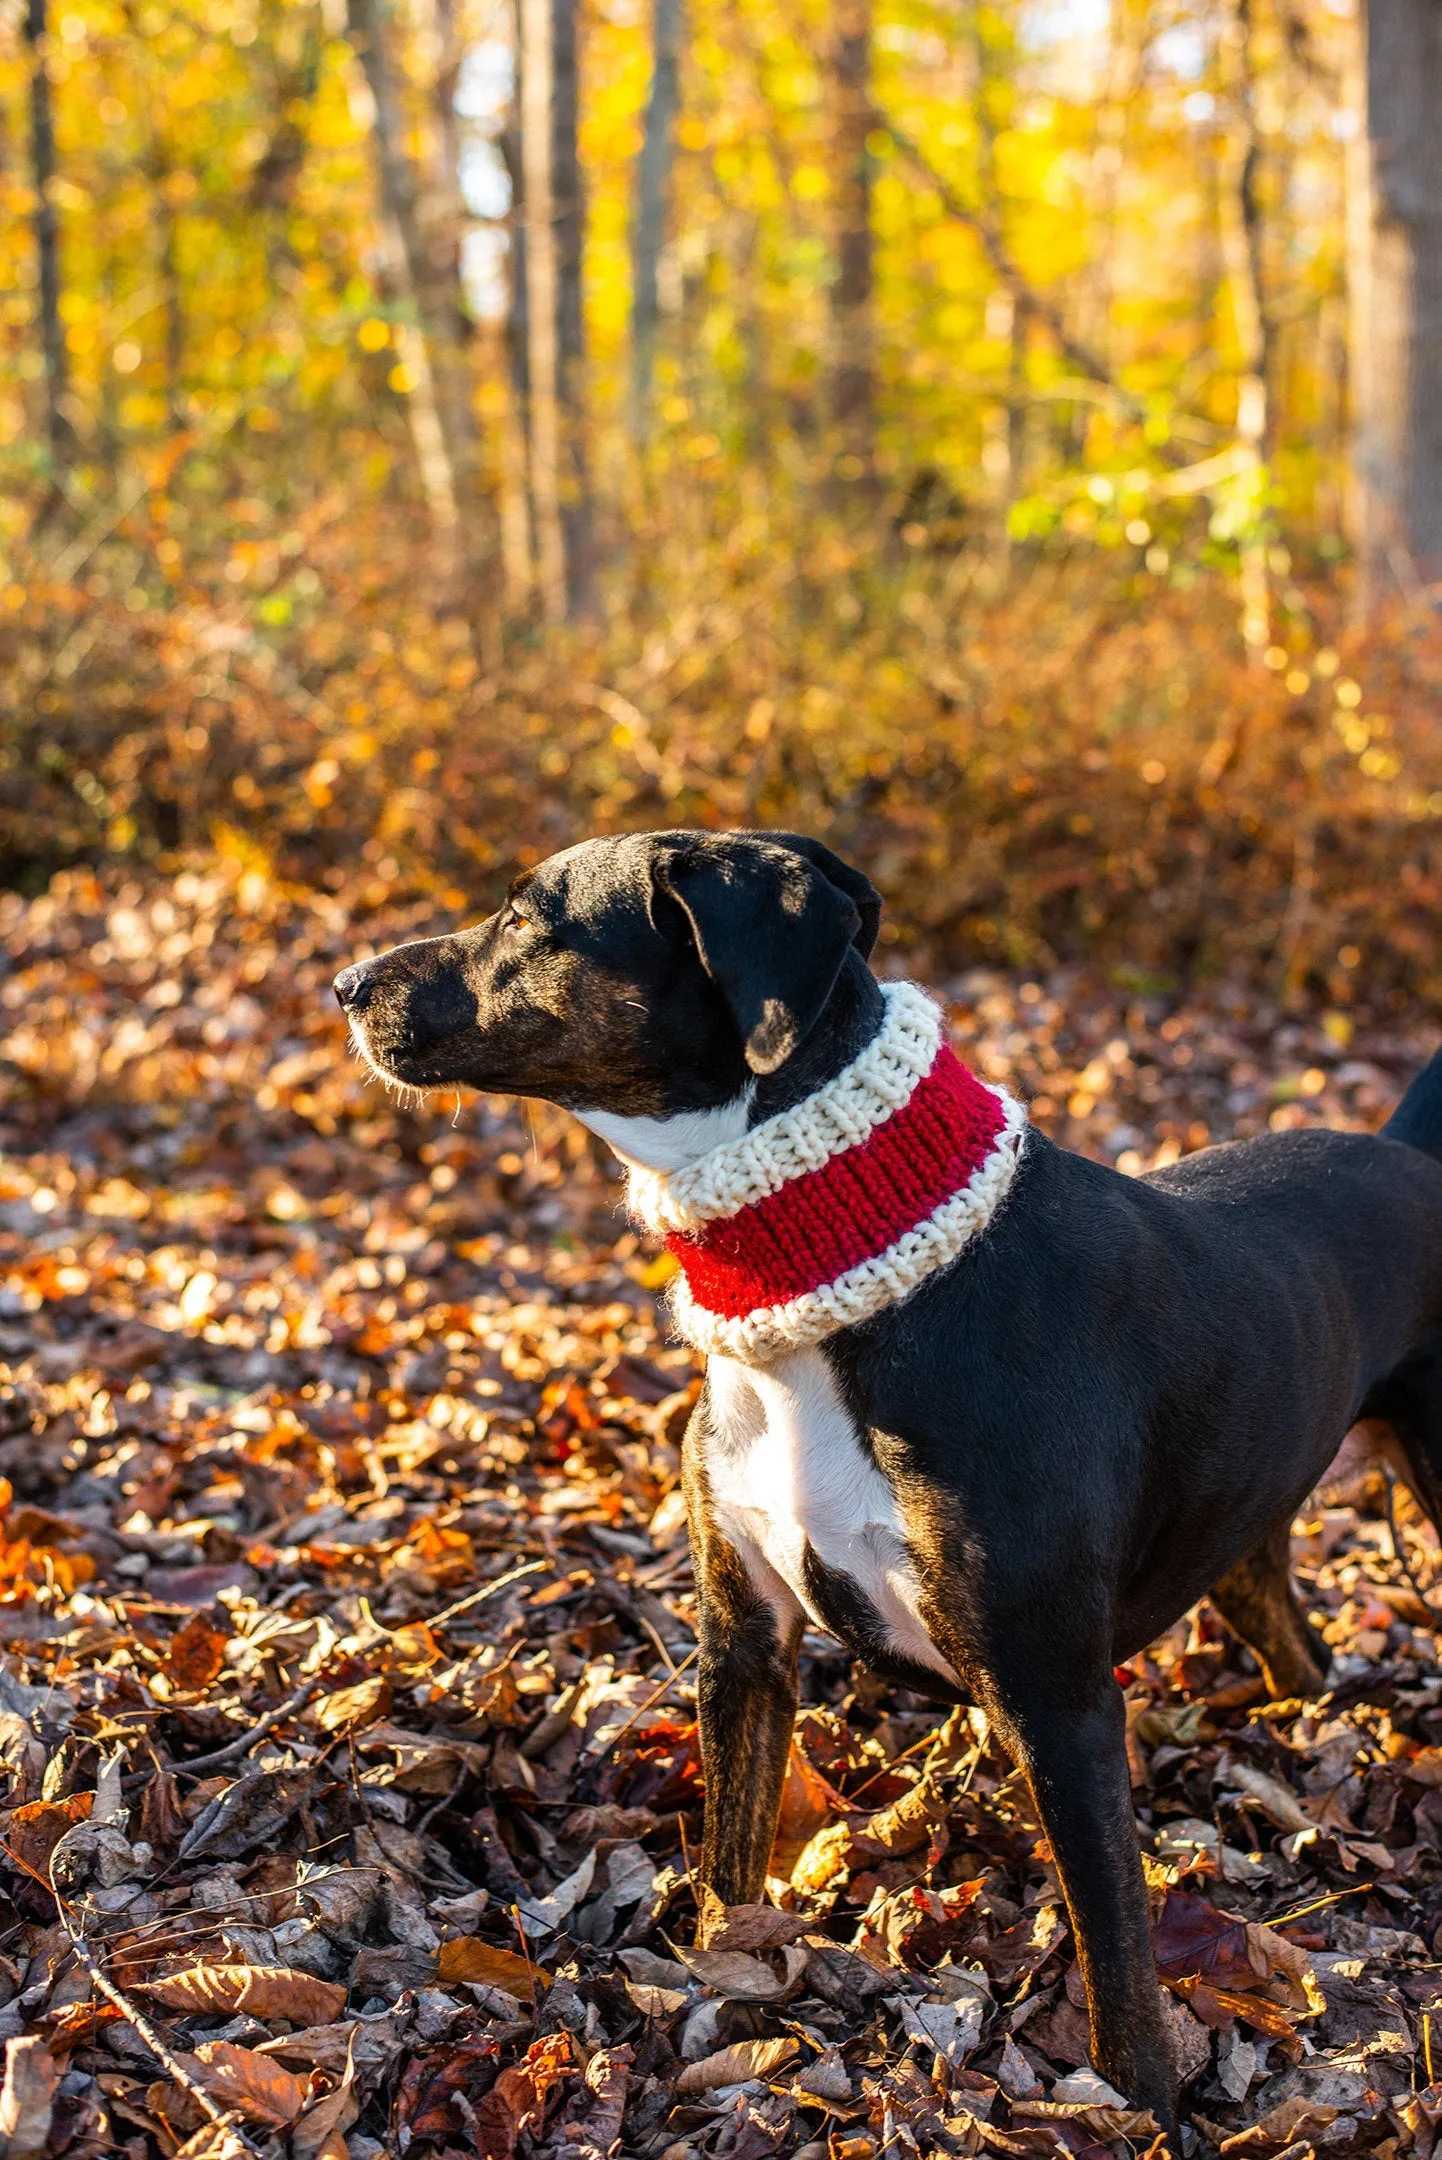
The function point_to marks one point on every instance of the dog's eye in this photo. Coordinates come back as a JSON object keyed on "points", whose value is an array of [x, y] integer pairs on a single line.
{"points": [[513, 919]]}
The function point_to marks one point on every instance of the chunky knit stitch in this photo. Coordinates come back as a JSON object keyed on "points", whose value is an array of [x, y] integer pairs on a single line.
{"points": [[823, 1215]]}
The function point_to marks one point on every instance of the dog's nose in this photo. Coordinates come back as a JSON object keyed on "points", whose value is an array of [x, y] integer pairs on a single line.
{"points": [[353, 987]]}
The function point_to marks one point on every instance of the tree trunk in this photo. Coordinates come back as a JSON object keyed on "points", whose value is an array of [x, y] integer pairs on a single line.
{"points": [[1395, 295], [852, 374], [47, 237], [569, 215], [542, 360], [174, 310], [648, 218], [517, 567], [1241, 224], [439, 456]]}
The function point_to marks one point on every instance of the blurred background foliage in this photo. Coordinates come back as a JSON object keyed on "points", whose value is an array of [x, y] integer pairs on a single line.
{"points": [[435, 429]]}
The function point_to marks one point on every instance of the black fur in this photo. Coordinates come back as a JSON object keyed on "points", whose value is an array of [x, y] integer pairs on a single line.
{"points": [[1111, 1403]]}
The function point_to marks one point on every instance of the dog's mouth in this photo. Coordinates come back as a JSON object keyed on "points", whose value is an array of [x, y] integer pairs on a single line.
{"points": [[398, 1061], [402, 1050]]}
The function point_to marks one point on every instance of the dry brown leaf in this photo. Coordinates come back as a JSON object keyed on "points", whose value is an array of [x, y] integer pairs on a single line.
{"points": [[196, 1654], [264, 1991], [1295, 2119], [1105, 2123], [1278, 1959], [320, 2133], [807, 1801], [1277, 1801], [467, 1957], [261, 2090], [27, 2098], [36, 1830], [745, 1927], [1221, 2007], [904, 1826], [214, 2141], [733, 2065], [523, 2096], [744, 1979], [351, 1707], [824, 1860]]}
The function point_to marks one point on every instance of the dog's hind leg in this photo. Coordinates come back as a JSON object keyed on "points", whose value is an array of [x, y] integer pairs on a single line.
{"points": [[1410, 1402], [1257, 1601]]}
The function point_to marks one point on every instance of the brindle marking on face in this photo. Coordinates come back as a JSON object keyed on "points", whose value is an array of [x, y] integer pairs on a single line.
{"points": [[573, 992], [643, 976]]}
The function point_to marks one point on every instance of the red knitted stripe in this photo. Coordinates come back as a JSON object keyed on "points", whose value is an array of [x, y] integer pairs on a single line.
{"points": [[854, 1207]]}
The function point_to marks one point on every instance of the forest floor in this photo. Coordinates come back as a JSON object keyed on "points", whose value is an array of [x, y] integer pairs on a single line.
{"points": [[347, 1627]]}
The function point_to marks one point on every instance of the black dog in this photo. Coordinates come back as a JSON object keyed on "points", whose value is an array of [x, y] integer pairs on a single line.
{"points": [[1005, 1460]]}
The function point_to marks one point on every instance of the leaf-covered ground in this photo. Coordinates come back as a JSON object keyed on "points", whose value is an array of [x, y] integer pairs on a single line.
{"points": [[346, 1622]]}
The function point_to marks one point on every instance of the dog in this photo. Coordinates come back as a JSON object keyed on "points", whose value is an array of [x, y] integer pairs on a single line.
{"points": [[992, 1413]]}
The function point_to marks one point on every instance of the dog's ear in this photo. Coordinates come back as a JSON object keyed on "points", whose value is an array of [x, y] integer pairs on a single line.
{"points": [[772, 931], [857, 887]]}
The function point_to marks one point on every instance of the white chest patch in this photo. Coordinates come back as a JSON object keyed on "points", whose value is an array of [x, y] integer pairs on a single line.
{"points": [[786, 1469]]}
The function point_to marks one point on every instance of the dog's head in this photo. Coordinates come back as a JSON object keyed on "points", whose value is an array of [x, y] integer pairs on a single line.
{"points": [[643, 975]]}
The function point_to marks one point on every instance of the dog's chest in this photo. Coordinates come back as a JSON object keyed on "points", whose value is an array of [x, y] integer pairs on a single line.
{"points": [[788, 1477]]}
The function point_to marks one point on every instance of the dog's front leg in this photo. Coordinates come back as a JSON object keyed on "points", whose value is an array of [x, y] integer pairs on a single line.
{"points": [[746, 1703], [1072, 1745]]}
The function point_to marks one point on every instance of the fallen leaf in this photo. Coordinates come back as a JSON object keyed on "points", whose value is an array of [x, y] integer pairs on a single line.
{"points": [[589, 2127], [247, 1814], [742, 1978], [437, 2081], [252, 2084], [734, 2064], [1104, 2122], [27, 2098], [467, 1957], [351, 1707], [35, 1830], [953, 2029], [904, 1826], [523, 2097], [1295, 2119], [320, 2132], [746, 1927], [1277, 1801], [261, 1991], [196, 1654], [824, 1860], [827, 2079], [214, 2141], [1192, 1937], [807, 1801]]}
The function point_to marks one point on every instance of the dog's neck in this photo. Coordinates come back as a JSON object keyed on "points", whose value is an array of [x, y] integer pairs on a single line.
{"points": [[836, 1194]]}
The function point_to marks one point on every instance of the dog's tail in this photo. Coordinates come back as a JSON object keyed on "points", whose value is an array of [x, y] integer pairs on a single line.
{"points": [[1417, 1119]]}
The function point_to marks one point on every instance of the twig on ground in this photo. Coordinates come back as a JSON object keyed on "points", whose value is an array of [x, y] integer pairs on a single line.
{"points": [[234, 1749]]}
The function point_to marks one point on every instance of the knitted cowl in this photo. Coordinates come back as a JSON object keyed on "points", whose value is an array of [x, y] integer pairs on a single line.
{"points": [[842, 1205]]}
